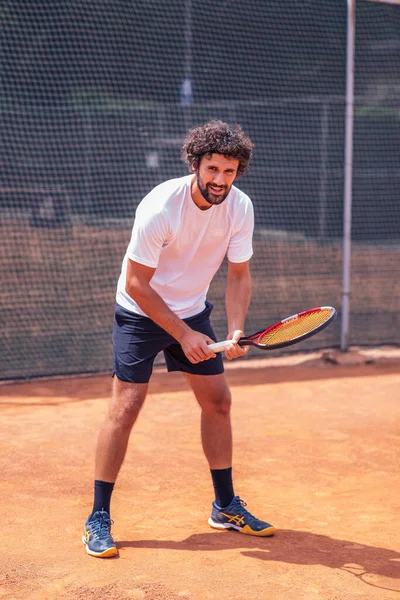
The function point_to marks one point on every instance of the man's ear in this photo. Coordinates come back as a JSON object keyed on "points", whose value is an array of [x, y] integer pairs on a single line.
{"points": [[194, 166]]}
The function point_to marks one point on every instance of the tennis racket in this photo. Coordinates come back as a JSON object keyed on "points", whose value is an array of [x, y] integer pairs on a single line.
{"points": [[290, 331]]}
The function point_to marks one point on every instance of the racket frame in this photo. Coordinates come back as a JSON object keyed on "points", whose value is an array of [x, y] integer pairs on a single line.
{"points": [[252, 339]]}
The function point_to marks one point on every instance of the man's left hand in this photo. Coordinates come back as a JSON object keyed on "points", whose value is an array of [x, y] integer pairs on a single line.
{"points": [[233, 350]]}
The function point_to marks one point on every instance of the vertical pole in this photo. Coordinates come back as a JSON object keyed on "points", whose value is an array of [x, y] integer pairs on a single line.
{"points": [[88, 160], [348, 171], [232, 113], [186, 89], [188, 38], [324, 174], [161, 127]]}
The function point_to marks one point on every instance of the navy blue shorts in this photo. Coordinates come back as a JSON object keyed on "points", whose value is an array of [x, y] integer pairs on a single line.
{"points": [[137, 340]]}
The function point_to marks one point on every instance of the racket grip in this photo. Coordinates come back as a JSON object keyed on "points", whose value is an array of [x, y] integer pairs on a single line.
{"points": [[219, 346]]}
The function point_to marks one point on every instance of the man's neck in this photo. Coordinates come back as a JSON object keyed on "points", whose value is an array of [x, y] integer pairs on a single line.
{"points": [[197, 196]]}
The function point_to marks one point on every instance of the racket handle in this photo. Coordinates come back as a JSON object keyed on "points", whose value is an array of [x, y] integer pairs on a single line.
{"points": [[219, 346]]}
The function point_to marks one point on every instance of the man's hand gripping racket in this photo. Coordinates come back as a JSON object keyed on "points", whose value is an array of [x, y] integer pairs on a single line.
{"points": [[290, 331]]}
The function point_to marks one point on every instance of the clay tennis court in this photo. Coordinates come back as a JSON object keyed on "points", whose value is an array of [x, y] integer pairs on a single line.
{"points": [[316, 453]]}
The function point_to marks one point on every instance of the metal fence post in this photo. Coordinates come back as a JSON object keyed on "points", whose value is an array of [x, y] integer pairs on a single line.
{"points": [[348, 168], [324, 171]]}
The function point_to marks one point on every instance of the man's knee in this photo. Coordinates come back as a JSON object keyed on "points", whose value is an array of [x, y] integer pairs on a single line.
{"points": [[126, 403], [218, 403]]}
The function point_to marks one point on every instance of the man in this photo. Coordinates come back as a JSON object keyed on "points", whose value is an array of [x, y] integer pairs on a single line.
{"points": [[183, 229]]}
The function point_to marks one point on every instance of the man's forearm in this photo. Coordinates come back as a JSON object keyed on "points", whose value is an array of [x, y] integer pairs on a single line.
{"points": [[237, 300], [156, 309]]}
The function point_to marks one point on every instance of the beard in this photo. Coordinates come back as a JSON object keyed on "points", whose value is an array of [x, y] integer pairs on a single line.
{"points": [[209, 195]]}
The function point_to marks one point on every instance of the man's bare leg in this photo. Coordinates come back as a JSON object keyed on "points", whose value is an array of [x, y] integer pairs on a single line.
{"points": [[126, 402], [213, 395]]}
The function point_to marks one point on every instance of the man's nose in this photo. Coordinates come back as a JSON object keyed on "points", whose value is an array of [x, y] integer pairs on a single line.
{"points": [[219, 179]]}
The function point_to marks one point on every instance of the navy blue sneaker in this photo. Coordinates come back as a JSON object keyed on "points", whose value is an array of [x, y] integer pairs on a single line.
{"points": [[97, 535], [235, 516]]}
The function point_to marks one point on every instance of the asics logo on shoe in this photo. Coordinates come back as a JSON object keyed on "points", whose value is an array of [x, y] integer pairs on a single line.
{"points": [[234, 519]]}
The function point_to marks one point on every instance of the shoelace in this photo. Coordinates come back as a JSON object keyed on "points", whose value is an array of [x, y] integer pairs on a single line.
{"points": [[242, 510], [100, 528]]}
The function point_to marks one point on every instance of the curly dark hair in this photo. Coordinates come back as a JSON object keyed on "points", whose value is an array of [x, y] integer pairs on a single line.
{"points": [[217, 137]]}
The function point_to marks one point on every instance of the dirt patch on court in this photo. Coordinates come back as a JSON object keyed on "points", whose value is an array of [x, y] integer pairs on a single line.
{"points": [[316, 453]]}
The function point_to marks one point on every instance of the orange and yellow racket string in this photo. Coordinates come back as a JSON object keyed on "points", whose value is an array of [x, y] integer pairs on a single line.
{"points": [[295, 327]]}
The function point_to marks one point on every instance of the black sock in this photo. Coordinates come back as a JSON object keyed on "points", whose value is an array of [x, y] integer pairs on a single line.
{"points": [[102, 495], [223, 486]]}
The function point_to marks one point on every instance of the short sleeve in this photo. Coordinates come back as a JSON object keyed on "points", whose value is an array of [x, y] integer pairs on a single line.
{"points": [[149, 234], [240, 248]]}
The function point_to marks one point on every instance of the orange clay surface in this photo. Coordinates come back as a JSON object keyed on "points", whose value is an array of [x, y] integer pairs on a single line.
{"points": [[316, 453]]}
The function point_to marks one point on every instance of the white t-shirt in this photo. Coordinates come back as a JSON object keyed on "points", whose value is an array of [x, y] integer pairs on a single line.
{"points": [[186, 245]]}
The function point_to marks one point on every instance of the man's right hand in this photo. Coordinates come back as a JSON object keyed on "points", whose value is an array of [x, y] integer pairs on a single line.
{"points": [[195, 346]]}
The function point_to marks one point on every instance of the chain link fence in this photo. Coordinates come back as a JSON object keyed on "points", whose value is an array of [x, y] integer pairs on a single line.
{"points": [[94, 106]]}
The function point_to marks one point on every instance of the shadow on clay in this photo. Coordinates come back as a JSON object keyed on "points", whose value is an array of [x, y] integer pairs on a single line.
{"points": [[292, 547]]}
